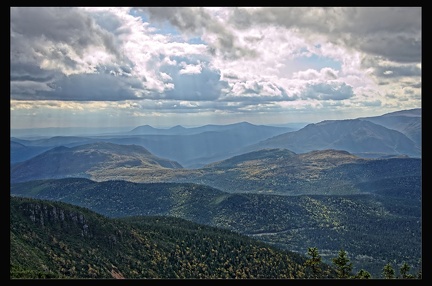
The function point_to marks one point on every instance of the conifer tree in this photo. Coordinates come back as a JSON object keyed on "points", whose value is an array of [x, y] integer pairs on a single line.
{"points": [[363, 274], [314, 261], [404, 271], [343, 265], [419, 273], [388, 271]]}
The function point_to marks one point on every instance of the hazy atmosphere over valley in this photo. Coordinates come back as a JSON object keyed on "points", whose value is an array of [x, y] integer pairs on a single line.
{"points": [[216, 142]]}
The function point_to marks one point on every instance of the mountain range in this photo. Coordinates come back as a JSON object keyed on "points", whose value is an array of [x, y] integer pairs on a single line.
{"points": [[245, 127], [361, 137], [273, 171], [407, 122], [392, 134], [354, 184]]}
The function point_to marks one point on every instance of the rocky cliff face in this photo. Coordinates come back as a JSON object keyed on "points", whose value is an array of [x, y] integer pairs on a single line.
{"points": [[45, 214]]}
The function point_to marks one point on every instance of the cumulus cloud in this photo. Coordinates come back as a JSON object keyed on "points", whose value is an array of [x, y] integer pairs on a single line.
{"points": [[84, 87], [328, 91], [256, 91], [196, 21], [57, 37], [101, 54], [397, 71], [193, 82], [21, 71], [323, 74], [190, 69], [390, 32]]}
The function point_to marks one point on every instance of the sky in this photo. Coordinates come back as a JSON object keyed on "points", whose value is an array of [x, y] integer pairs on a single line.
{"points": [[191, 66]]}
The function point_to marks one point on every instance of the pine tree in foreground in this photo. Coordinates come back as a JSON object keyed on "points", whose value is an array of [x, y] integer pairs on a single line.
{"points": [[388, 271], [404, 271], [343, 264], [314, 261], [363, 274]]}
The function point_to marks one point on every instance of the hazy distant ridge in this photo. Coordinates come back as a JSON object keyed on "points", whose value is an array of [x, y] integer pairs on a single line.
{"points": [[354, 135], [392, 134]]}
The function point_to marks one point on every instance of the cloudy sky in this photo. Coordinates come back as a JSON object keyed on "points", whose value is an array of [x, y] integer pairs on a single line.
{"points": [[130, 66]]}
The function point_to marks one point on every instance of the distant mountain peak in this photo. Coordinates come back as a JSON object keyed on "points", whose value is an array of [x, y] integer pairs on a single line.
{"points": [[244, 123], [177, 127], [357, 136], [143, 128]]}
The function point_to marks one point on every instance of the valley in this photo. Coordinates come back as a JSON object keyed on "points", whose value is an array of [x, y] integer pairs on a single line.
{"points": [[355, 193]]}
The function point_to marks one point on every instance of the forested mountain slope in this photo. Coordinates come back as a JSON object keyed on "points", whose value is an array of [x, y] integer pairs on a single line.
{"points": [[276, 171], [58, 240], [80, 160], [373, 228]]}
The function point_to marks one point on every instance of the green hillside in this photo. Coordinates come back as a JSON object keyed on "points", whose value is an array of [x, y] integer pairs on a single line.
{"points": [[57, 240], [80, 161], [282, 172], [329, 172], [373, 228], [273, 171]]}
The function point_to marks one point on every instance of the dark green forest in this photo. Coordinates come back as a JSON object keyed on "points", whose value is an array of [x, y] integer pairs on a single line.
{"points": [[373, 228], [58, 240]]}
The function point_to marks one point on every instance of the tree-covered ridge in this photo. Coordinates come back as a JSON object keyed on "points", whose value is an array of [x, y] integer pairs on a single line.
{"points": [[57, 240], [275, 171], [80, 161], [329, 172], [280, 171], [371, 227]]}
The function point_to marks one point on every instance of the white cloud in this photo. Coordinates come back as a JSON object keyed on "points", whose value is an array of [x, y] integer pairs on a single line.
{"points": [[391, 32], [190, 69], [323, 74], [328, 91]]}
